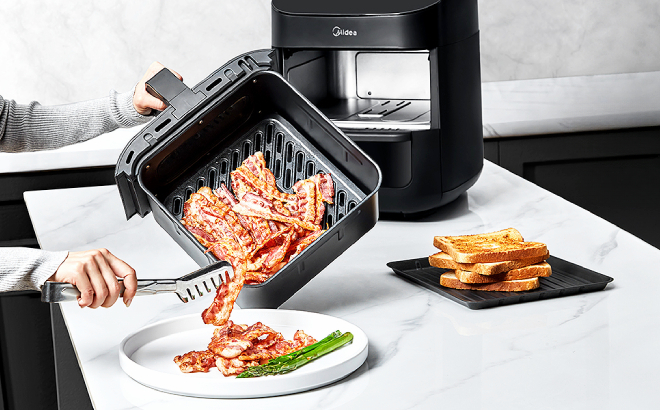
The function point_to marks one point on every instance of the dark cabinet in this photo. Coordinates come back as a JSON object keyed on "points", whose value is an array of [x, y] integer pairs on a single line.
{"points": [[32, 337], [613, 174]]}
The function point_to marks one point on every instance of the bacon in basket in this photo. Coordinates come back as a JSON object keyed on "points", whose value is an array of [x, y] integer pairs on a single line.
{"points": [[257, 228]]}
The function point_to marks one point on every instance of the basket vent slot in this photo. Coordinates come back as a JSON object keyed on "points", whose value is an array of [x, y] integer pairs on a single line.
{"points": [[247, 149], [223, 166], [351, 205], [288, 179], [234, 159], [251, 61], [245, 66], [279, 141], [177, 206], [258, 137], [200, 183], [189, 191], [269, 133], [289, 152], [278, 169], [300, 161], [329, 222], [212, 178], [267, 158], [310, 169], [341, 198], [214, 84], [163, 124]]}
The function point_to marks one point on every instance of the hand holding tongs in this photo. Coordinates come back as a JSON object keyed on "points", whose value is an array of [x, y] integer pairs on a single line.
{"points": [[186, 287]]}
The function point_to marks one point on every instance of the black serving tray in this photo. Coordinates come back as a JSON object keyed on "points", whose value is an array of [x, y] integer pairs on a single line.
{"points": [[567, 279]]}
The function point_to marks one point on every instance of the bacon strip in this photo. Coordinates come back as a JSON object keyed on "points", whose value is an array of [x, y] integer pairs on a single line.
{"points": [[254, 205], [195, 362]]}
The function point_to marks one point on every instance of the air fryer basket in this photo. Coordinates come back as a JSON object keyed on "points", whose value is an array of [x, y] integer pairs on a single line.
{"points": [[259, 111]]}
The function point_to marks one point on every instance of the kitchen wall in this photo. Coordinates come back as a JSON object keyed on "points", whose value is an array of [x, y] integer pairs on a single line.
{"points": [[523, 39], [69, 50]]}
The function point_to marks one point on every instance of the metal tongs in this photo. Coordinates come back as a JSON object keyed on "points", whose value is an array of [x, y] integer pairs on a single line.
{"points": [[186, 287]]}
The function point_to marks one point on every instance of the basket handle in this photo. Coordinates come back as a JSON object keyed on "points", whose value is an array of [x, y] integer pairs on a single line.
{"points": [[169, 89]]}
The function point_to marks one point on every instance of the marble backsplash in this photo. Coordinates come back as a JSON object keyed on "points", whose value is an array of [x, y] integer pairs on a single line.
{"points": [[525, 39], [64, 51]]}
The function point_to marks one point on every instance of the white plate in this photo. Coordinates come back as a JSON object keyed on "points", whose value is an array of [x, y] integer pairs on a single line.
{"points": [[147, 355]]}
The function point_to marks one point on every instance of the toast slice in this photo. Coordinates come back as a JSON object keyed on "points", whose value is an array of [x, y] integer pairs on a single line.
{"points": [[450, 280], [542, 269], [504, 245], [443, 260]]}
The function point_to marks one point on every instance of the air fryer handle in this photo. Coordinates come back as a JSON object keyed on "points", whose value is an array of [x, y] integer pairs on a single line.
{"points": [[169, 89]]}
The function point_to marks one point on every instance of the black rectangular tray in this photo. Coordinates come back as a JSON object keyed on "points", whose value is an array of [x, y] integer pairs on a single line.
{"points": [[567, 279]]}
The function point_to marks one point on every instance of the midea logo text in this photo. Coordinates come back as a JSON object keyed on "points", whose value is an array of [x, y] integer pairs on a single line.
{"points": [[337, 31]]}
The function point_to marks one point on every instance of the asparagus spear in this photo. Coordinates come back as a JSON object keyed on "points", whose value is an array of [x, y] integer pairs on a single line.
{"points": [[293, 355], [285, 366]]}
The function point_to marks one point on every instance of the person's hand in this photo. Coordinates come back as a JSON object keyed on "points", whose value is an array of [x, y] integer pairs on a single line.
{"points": [[95, 275], [142, 100]]}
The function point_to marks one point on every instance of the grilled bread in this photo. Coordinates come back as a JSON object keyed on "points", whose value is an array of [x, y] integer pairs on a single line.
{"points": [[504, 245], [450, 280], [443, 260], [532, 271]]}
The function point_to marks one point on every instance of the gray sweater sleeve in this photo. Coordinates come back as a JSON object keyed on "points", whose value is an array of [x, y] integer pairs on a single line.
{"points": [[27, 269], [34, 127]]}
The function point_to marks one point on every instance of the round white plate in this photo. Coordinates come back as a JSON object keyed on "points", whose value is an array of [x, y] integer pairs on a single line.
{"points": [[147, 355]]}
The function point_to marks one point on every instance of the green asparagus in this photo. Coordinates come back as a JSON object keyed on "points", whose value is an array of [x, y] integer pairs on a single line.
{"points": [[292, 361], [293, 355]]}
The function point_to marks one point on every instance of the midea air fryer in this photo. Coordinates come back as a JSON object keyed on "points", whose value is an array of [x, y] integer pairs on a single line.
{"points": [[400, 78]]}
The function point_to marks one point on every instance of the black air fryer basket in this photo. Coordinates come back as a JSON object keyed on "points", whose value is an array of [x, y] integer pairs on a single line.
{"points": [[206, 132]]}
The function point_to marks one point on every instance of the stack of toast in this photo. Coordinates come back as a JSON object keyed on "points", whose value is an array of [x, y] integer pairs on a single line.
{"points": [[497, 261]]}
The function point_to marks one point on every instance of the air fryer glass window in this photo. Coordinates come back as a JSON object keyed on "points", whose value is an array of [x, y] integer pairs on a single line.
{"points": [[364, 89], [393, 76]]}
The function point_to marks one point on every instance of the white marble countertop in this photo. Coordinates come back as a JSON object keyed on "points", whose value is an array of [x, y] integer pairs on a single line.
{"points": [[594, 350], [510, 108], [570, 104]]}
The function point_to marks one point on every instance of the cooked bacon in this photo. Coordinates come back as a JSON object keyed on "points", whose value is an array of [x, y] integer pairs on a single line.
{"points": [[257, 226], [233, 367], [325, 186], [229, 342], [303, 338], [253, 175], [257, 229], [235, 347], [200, 234], [299, 245], [280, 348], [254, 205], [194, 362], [255, 277], [307, 207], [257, 165], [208, 211], [220, 310]]}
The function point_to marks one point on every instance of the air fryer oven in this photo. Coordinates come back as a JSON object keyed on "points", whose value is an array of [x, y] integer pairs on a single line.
{"points": [[401, 79]]}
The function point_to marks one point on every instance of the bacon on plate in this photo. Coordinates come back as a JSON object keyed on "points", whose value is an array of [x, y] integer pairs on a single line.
{"points": [[233, 348]]}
